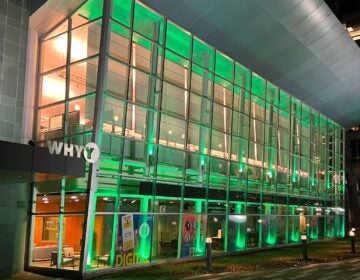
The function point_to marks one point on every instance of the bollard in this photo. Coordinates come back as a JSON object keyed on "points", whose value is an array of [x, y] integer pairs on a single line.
{"points": [[208, 253], [352, 237], [304, 246]]}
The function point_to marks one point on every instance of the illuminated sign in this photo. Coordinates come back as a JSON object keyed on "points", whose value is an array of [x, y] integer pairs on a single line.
{"points": [[129, 259], [90, 151]]}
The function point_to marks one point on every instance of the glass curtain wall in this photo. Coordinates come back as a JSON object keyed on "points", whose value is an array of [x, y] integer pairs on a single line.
{"points": [[193, 145]]}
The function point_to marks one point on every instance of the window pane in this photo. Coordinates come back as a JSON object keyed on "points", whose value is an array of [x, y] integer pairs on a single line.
{"points": [[53, 87], [116, 82], [240, 125], [201, 81], [53, 52], [242, 76], [220, 143], [176, 70], [241, 101], [258, 85], [256, 131], [91, 10], [224, 66], [81, 114], [178, 40], [173, 100], [51, 122], [223, 92], [272, 93], [112, 115], [83, 77], [258, 108], [200, 110], [122, 11], [119, 42], [221, 118], [146, 21], [172, 132], [85, 41], [141, 53], [284, 101], [203, 54]]}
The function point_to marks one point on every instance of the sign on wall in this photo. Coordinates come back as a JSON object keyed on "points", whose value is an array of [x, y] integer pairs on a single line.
{"points": [[90, 151], [133, 239]]}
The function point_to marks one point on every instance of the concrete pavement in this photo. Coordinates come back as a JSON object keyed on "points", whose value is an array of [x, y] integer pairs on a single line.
{"points": [[344, 270]]}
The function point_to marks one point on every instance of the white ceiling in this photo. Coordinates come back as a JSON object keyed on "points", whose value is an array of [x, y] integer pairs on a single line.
{"points": [[297, 44]]}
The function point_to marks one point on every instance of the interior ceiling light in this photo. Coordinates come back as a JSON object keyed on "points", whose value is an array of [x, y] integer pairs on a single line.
{"points": [[350, 29]]}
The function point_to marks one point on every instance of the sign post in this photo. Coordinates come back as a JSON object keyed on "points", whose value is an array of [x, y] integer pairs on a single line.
{"points": [[208, 253], [304, 246]]}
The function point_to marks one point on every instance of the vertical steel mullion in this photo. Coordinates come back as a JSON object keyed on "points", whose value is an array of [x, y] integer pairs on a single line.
{"points": [[182, 195], [30, 226], [204, 100], [207, 182], [151, 104], [65, 133], [149, 134], [36, 124], [228, 174], [99, 100], [122, 144], [61, 224], [67, 80], [248, 141]]}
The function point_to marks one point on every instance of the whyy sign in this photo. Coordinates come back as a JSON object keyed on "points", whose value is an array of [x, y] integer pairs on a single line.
{"points": [[90, 151]]}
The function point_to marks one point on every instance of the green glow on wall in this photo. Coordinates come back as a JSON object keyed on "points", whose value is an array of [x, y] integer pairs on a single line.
{"points": [[258, 85], [314, 233], [295, 231], [143, 18], [240, 236], [342, 227], [91, 10], [91, 234], [224, 66], [242, 76], [178, 40], [314, 230], [271, 233], [122, 11], [145, 243], [294, 178], [199, 244]]}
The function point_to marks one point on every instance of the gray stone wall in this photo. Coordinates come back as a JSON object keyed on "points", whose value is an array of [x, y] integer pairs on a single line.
{"points": [[14, 21]]}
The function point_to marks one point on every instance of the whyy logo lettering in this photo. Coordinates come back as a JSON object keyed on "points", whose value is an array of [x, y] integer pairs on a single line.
{"points": [[90, 151]]}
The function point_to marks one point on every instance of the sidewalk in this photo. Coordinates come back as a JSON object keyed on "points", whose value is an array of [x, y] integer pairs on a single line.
{"points": [[31, 276], [345, 270]]}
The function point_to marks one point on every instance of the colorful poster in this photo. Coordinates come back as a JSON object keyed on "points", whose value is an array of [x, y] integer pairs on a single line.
{"points": [[127, 232], [193, 235], [133, 239]]}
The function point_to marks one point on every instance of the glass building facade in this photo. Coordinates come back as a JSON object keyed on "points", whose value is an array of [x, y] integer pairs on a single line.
{"points": [[193, 145]]}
